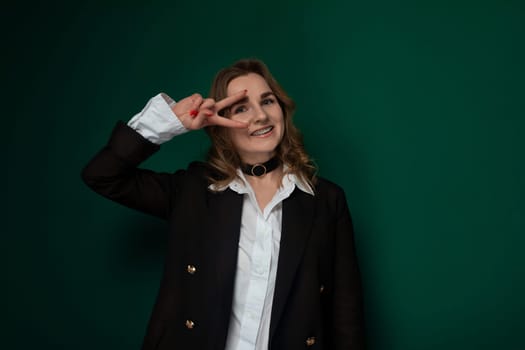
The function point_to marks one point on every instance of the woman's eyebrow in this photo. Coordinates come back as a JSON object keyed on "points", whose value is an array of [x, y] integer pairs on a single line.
{"points": [[266, 94]]}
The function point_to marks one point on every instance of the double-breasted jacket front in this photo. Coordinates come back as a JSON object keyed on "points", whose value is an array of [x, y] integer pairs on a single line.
{"points": [[318, 299]]}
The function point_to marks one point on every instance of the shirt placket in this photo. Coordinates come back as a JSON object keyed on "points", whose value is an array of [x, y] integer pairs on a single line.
{"points": [[258, 285]]}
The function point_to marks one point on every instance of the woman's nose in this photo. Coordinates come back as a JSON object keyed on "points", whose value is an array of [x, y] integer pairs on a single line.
{"points": [[260, 115]]}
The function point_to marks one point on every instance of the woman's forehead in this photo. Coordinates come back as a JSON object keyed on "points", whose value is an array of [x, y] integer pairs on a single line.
{"points": [[252, 82]]}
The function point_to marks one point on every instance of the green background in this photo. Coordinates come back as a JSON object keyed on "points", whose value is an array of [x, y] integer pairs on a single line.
{"points": [[416, 108]]}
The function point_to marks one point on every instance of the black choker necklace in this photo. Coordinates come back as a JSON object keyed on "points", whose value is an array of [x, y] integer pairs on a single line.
{"points": [[260, 169]]}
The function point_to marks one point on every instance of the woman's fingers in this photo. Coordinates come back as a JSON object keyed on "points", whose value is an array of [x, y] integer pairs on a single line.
{"points": [[187, 104], [225, 102], [228, 123], [208, 103], [228, 101], [206, 117], [196, 112], [199, 121]]}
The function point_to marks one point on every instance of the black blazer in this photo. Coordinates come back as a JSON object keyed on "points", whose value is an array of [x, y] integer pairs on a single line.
{"points": [[318, 299]]}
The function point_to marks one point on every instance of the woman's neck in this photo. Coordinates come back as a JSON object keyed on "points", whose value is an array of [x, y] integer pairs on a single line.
{"points": [[266, 186]]}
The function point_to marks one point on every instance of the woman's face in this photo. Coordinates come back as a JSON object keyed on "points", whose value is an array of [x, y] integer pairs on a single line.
{"points": [[263, 114]]}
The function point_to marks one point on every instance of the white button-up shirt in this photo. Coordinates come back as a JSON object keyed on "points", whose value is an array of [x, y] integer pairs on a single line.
{"points": [[259, 240], [257, 260]]}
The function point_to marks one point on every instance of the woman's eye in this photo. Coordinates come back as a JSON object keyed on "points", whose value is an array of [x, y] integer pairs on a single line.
{"points": [[239, 109], [268, 101]]}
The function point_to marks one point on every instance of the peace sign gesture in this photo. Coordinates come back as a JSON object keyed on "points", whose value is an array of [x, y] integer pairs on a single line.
{"points": [[195, 112]]}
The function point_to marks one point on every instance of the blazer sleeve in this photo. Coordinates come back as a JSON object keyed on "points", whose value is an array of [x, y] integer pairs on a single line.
{"points": [[113, 173], [348, 319]]}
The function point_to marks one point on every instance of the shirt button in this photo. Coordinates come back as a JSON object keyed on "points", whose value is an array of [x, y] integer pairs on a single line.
{"points": [[190, 324], [191, 269], [310, 341]]}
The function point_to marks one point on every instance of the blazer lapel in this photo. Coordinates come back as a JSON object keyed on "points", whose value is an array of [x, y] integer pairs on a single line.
{"points": [[223, 221], [298, 214]]}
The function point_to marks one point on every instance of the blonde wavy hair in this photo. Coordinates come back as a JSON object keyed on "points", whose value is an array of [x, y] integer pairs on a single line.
{"points": [[222, 155]]}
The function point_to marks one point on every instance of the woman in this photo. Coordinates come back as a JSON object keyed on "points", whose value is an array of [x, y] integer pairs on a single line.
{"points": [[261, 252]]}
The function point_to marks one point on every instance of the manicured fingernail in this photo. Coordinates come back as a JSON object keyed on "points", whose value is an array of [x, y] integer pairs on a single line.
{"points": [[194, 112]]}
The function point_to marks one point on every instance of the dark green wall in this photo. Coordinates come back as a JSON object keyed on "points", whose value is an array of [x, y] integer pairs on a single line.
{"points": [[415, 107]]}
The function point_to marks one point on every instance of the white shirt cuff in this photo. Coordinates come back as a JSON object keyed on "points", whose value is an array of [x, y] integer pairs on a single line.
{"points": [[157, 122]]}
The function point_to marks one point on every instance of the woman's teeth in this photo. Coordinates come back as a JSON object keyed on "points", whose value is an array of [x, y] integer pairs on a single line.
{"points": [[262, 131]]}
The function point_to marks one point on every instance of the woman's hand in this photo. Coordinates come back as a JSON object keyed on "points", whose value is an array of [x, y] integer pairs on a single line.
{"points": [[195, 112]]}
